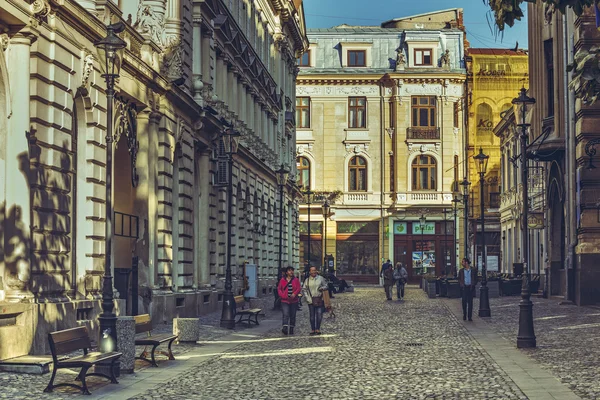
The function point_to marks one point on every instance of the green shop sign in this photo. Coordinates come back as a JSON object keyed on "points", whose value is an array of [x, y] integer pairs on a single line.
{"points": [[400, 228], [429, 228]]}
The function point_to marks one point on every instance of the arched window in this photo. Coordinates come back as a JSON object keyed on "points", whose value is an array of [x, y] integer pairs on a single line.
{"points": [[303, 166], [424, 173], [357, 174]]}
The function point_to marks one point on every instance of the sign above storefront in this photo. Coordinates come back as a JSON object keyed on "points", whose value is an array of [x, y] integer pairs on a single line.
{"points": [[535, 220], [400, 228], [429, 228]]}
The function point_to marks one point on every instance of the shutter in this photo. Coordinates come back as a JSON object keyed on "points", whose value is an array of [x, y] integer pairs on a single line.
{"points": [[222, 172]]}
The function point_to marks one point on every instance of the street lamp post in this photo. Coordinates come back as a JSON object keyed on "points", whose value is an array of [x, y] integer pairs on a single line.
{"points": [[526, 335], [481, 160], [465, 185], [230, 140], [308, 197], [282, 177], [109, 48], [326, 209], [445, 243], [422, 222]]}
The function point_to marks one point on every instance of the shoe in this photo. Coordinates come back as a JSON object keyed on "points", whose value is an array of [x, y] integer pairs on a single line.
{"points": [[284, 330], [313, 333], [464, 317], [471, 319], [317, 332], [332, 297], [291, 331]]}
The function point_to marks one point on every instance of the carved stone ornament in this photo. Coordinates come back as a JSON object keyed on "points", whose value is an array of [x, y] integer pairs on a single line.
{"points": [[40, 10], [400, 60], [150, 23], [173, 59], [3, 41], [445, 60], [88, 68], [125, 122]]}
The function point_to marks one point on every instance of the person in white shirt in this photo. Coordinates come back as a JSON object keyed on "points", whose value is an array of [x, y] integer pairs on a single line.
{"points": [[313, 288]]}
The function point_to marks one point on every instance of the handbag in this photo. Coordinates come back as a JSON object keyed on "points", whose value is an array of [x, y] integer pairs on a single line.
{"points": [[317, 301]]}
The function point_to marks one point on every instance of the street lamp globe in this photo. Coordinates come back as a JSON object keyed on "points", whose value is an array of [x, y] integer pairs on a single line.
{"points": [[231, 140], [465, 186], [326, 208], [422, 222], [110, 48], [523, 103], [282, 175], [309, 196], [481, 161]]}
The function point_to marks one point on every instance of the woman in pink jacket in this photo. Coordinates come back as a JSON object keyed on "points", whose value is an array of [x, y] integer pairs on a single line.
{"points": [[289, 288]]}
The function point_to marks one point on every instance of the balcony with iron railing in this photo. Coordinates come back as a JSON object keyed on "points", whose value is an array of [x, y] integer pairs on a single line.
{"points": [[423, 133], [429, 198]]}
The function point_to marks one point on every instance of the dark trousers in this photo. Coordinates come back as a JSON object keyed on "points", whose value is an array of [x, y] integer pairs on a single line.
{"points": [[289, 314], [400, 289], [388, 291], [316, 316], [467, 301]]}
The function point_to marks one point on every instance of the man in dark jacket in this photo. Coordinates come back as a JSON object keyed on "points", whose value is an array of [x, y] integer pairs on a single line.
{"points": [[467, 278], [388, 282]]}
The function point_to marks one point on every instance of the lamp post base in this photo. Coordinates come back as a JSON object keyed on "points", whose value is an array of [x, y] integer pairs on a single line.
{"points": [[228, 313], [526, 335], [484, 301]]}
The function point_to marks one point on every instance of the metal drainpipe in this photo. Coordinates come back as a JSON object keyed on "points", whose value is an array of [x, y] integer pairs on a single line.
{"points": [[382, 167]]}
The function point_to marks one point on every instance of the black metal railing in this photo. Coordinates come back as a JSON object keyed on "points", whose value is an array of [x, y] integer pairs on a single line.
{"points": [[423, 133]]}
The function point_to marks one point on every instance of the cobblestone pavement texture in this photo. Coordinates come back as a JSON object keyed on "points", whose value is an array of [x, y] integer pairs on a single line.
{"points": [[25, 386], [567, 339], [374, 349]]}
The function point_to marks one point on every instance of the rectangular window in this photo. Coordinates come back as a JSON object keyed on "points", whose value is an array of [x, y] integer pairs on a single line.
{"points": [[423, 111], [423, 57], [357, 58], [304, 60], [303, 112], [456, 114], [548, 56], [357, 112]]}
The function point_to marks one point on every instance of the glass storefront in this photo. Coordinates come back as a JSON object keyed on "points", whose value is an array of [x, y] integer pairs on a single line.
{"points": [[357, 251]]}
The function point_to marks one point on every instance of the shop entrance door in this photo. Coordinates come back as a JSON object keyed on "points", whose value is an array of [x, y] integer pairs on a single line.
{"points": [[401, 255]]}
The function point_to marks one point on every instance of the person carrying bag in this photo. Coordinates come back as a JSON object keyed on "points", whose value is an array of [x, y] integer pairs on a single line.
{"points": [[313, 288]]}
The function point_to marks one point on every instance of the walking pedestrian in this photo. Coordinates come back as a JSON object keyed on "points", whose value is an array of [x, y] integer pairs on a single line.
{"points": [[400, 276], [388, 282], [288, 289], [313, 288], [467, 278]]}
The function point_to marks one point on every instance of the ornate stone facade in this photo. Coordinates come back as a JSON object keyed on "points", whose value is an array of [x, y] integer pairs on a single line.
{"points": [[191, 69]]}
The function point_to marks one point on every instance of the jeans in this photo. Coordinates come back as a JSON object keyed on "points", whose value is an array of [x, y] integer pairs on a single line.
{"points": [[400, 289], [388, 291], [316, 316], [289, 313], [467, 301]]}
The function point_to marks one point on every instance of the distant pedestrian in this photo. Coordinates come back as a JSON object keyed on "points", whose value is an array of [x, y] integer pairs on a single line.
{"points": [[288, 289], [401, 277], [467, 278], [384, 266], [313, 288], [388, 282]]}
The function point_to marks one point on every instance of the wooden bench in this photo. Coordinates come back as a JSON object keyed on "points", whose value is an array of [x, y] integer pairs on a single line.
{"points": [[247, 313], [70, 340], [143, 324]]}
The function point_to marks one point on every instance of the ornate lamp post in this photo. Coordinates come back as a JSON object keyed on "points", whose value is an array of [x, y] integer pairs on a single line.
{"points": [[109, 49], [422, 224], [282, 177], [230, 140], [309, 196], [326, 208], [465, 185], [526, 335], [484, 300]]}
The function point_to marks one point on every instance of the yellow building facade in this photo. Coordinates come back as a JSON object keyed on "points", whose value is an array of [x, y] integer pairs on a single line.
{"points": [[495, 77]]}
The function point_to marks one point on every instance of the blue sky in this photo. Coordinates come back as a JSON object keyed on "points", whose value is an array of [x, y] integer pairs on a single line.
{"points": [[328, 13]]}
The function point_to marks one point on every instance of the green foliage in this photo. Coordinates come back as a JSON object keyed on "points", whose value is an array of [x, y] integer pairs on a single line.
{"points": [[506, 12], [586, 74]]}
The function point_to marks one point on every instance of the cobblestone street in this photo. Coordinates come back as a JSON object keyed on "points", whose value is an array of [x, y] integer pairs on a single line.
{"points": [[373, 349]]}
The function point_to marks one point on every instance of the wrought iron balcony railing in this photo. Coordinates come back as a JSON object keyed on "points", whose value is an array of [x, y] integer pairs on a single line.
{"points": [[423, 133]]}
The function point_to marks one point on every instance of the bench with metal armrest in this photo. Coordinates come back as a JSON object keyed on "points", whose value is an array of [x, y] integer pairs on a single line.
{"points": [[143, 324], [245, 313]]}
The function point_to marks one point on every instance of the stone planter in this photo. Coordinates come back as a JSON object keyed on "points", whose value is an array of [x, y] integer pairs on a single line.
{"points": [[431, 290], [443, 288], [187, 329], [453, 291], [126, 343]]}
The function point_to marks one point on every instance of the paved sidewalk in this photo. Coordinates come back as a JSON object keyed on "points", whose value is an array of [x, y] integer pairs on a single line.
{"points": [[535, 382]]}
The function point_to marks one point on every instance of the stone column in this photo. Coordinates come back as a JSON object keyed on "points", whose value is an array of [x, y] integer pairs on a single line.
{"points": [[17, 228], [197, 44]]}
